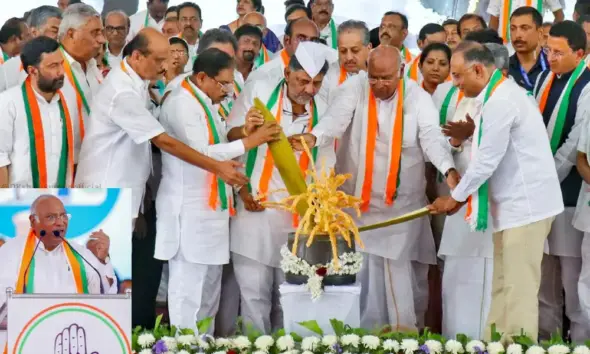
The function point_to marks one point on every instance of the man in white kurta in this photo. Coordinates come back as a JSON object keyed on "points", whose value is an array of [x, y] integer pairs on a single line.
{"points": [[582, 217], [43, 21], [193, 235], [257, 234], [511, 140], [152, 17], [389, 278], [321, 13], [51, 271]]}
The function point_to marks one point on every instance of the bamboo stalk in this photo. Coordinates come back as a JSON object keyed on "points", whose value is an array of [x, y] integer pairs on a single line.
{"points": [[400, 219]]}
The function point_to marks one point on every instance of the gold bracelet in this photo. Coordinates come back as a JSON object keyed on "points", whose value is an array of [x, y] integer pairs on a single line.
{"points": [[244, 131]]}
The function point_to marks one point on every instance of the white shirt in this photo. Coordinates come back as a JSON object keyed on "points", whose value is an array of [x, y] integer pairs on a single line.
{"points": [[332, 81], [192, 56], [203, 234], [14, 137], [11, 73], [138, 23], [116, 152], [326, 33], [495, 6], [515, 157], [52, 271], [113, 60], [346, 119], [582, 215]]}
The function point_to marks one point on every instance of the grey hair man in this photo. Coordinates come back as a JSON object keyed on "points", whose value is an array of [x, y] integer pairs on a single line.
{"points": [[116, 25], [220, 39], [501, 56], [81, 32]]}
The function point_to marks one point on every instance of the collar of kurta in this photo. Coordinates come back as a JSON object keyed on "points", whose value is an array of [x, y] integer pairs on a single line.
{"points": [[73, 63], [137, 80], [202, 94]]}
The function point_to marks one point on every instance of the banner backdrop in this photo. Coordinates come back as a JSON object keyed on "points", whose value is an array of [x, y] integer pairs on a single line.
{"points": [[91, 210]]}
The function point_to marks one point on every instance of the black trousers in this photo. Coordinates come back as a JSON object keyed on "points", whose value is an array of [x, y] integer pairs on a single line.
{"points": [[147, 274]]}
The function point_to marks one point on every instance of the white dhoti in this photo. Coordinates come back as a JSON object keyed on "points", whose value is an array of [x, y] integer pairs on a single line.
{"points": [[584, 281], [259, 293], [229, 304], [420, 287], [193, 292], [467, 295], [561, 267], [387, 285]]}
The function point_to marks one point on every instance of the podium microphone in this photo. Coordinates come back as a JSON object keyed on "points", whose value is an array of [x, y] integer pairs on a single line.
{"points": [[42, 234], [58, 234]]}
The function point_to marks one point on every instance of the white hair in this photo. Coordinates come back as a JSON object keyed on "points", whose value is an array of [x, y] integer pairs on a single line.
{"points": [[39, 200], [116, 12], [76, 16]]}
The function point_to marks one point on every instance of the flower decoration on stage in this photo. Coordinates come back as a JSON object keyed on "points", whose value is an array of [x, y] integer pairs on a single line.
{"points": [[349, 263]]}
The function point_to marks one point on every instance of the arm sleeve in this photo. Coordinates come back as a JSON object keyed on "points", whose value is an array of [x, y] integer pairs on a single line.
{"points": [[106, 272], [7, 126], [553, 5], [498, 118], [494, 8], [129, 112], [584, 142]]}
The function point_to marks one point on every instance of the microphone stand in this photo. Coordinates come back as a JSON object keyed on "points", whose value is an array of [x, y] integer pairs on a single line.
{"points": [[42, 234], [57, 234]]}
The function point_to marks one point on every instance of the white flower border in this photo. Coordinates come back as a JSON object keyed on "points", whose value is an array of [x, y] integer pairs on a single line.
{"points": [[347, 343], [350, 264]]}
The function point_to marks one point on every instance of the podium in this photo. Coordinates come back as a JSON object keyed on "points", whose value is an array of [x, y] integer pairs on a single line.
{"points": [[337, 302], [84, 324]]}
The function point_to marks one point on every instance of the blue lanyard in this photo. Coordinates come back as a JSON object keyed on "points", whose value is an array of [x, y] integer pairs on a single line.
{"points": [[524, 74]]}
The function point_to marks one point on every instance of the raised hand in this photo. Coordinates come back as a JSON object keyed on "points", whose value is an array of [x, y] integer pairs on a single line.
{"points": [[71, 340], [99, 244], [269, 131], [460, 131]]}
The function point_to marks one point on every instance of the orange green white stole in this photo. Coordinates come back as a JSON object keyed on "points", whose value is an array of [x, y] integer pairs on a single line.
{"points": [[406, 55], [413, 71], [506, 11], [4, 58], [285, 57], [74, 261], [444, 110], [225, 108], [81, 100], [478, 202], [218, 195], [262, 58], [65, 176], [364, 184]]}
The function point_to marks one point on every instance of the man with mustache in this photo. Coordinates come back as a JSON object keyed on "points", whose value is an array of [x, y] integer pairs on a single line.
{"points": [[389, 177], [249, 48], [563, 94], [152, 17], [38, 104], [353, 51], [451, 26], [470, 23], [196, 263], [321, 13], [257, 234], [190, 22], [49, 226], [258, 20], [529, 59], [393, 32], [43, 21]]}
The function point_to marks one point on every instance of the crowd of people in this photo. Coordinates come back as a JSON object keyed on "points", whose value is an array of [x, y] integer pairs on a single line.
{"points": [[487, 126]]}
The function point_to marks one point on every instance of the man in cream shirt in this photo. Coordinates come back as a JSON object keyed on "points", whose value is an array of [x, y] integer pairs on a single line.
{"points": [[152, 17], [389, 183], [511, 140]]}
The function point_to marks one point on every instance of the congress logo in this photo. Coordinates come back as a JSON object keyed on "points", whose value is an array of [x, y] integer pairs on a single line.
{"points": [[72, 328]]}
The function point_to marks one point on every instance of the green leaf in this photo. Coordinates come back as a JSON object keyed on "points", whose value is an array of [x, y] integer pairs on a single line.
{"points": [[296, 337], [158, 321], [281, 332], [496, 336], [338, 327], [312, 326], [463, 339], [204, 324], [251, 332]]}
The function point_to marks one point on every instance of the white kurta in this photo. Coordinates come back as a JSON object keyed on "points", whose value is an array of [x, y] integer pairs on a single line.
{"points": [[52, 271], [186, 223], [327, 35], [112, 59], [11, 74], [422, 136], [138, 23], [260, 235], [14, 138], [116, 152], [192, 56], [332, 82]]}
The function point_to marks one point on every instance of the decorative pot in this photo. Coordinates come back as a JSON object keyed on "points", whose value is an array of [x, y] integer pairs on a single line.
{"points": [[320, 252]]}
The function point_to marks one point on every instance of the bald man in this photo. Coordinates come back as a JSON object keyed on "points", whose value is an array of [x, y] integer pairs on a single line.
{"points": [[391, 184], [116, 25], [116, 152], [52, 261]]}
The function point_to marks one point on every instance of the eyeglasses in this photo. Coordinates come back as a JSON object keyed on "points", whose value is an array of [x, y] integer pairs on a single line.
{"points": [[112, 29], [52, 218], [382, 80], [179, 53], [227, 88]]}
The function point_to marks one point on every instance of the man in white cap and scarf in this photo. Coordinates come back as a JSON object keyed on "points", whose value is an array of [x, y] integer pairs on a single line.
{"points": [[391, 126], [257, 234]]}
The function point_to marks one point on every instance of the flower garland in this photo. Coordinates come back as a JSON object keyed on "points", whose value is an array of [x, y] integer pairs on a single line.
{"points": [[349, 264]]}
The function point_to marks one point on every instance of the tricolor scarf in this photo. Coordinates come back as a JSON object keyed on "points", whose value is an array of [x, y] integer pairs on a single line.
{"points": [[74, 261], [65, 176], [333, 35], [262, 58], [478, 202], [558, 116], [147, 19], [406, 54], [413, 70], [218, 196], [285, 57], [444, 110], [276, 100], [506, 11], [4, 58], [80, 96], [364, 184], [225, 108]]}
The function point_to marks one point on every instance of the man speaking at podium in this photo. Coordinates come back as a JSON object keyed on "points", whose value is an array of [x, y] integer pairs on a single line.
{"points": [[44, 262]]}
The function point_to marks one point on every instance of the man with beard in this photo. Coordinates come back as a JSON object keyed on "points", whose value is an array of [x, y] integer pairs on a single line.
{"points": [[38, 105], [430, 33], [452, 28], [321, 13], [190, 21], [529, 60], [393, 32], [43, 21], [389, 177], [257, 234], [195, 262], [152, 17], [563, 94], [257, 19], [353, 50], [249, 48], [81, 37], [116, 26]]}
